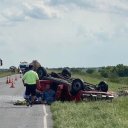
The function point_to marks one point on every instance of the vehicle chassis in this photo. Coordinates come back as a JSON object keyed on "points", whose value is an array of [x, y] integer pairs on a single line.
{"points": [[76, 90]]}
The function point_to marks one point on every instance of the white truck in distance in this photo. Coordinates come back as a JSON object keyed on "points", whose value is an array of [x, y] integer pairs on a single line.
{"points": [[23, 66]]}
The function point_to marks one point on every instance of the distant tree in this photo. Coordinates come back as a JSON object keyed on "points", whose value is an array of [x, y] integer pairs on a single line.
{"points": [[114, 71], [104, 73], [122, 70], [90, 70]]}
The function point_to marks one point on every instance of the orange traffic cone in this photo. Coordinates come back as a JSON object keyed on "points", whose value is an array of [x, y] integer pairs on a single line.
{"points": [[12, 84], [7, 81]]}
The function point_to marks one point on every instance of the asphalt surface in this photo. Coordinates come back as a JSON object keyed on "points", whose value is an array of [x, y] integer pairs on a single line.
{"points": [[14, 116]]}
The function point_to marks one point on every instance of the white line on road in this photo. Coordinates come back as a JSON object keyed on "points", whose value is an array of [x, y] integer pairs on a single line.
{"points": [[45, 116]]}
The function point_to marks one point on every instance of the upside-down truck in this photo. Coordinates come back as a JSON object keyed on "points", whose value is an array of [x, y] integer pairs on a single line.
{"points": [[69, 89]]}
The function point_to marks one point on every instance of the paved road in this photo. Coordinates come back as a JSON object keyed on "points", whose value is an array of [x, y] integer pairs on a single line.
{"points": [[11, 116]]}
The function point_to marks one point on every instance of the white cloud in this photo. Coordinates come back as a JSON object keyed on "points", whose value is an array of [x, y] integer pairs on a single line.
{"points": [[13, 14], [112, 6], [87, 32], [18, 10], [41, 11]]}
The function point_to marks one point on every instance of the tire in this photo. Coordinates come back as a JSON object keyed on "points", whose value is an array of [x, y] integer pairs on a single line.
{"points": [[66, 72], [41, 71], [76, 86], [103, 86]]}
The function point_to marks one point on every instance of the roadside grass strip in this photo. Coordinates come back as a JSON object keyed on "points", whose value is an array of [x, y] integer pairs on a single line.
{"points": [[3, 74], [97, 114]]}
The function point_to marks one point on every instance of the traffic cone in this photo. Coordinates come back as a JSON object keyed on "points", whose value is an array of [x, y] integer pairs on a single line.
{"points": [[7, 81], [12, 84]]}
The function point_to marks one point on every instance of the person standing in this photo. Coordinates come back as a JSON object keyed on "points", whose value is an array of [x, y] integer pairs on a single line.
{"points": [[30, 79]]}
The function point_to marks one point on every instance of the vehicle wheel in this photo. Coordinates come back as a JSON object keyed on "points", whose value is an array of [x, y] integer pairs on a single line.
{"points": [[66, 72], [77, 85], [102, 86], [41, 71]]}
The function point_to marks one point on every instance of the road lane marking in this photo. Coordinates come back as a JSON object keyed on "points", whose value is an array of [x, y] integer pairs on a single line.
{"points": [[45, 116]]}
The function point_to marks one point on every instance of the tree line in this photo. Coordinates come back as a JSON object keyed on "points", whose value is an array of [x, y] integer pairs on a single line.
{"points": [[114, 71]]}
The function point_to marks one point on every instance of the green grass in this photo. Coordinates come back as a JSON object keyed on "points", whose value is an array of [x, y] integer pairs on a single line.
{"points": [[5, 73], [97, 114], [93, 114]]}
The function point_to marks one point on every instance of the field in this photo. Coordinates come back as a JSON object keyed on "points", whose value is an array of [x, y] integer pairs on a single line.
{"points": [[92, 114], [5, 73]]}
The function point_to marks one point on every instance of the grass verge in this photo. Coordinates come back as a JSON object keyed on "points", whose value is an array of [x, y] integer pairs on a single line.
{"points": [[98, 114], [94, 114], [5, 73]]}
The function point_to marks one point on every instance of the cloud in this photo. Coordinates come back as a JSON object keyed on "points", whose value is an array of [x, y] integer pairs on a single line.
{"points": [[13, 14], [17, 10], [39, 11], [21, 10], [96, 21], [112, 6], [88, 31]]}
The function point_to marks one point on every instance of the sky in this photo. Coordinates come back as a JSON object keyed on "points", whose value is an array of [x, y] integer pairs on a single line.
{"points": [[64, 33]]}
